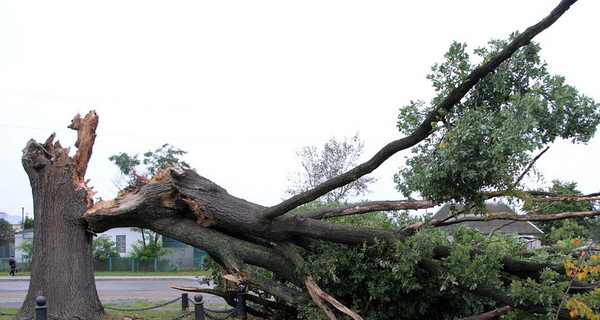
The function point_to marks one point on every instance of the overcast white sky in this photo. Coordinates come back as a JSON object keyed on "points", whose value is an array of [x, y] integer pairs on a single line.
{"points": [[243, 85]]}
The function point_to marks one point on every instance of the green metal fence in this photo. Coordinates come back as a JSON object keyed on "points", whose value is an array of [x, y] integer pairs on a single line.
{"points": [[128, 264], [149, 265], [23, 265]]}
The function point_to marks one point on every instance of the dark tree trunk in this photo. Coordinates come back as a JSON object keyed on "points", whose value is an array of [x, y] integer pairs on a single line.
{"points": [[62, 263]]}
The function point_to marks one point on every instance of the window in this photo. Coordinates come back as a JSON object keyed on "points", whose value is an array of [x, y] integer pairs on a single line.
{"points": [[121, 243]]}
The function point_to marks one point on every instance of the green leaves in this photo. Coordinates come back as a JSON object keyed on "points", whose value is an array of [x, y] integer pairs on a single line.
{"points": [[151, 162], [486, 141]]}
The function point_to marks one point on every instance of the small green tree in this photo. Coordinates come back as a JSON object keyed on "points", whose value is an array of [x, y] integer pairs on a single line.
{"points": [[28, 223], [26, 248], [104, 248], [150, 246], [151, 162], [564, 229], [6, 232]]}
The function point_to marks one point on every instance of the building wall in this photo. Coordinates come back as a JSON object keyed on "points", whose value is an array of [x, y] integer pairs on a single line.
{"points": [[131, 237]]}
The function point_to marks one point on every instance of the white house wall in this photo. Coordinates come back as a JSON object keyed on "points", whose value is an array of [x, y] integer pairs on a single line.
{"points": [[131, 237]]}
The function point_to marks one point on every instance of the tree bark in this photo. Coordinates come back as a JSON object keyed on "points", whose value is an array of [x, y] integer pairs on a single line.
{"points": [[62, 264]]}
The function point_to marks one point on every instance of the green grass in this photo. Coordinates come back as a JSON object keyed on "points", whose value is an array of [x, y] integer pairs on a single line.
{"points": [[167, 312]]}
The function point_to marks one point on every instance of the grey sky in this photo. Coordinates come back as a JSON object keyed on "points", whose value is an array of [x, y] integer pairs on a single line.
{"points": [[242, 85]]}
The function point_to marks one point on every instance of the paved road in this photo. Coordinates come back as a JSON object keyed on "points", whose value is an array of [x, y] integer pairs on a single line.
{"points": [[111, 289]]}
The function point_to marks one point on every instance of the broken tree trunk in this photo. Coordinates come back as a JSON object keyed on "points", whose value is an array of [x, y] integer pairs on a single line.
{"points": [[62, 264]]}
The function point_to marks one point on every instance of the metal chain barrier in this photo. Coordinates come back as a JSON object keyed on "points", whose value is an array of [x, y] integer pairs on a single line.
{"points": [[145, 308], [199, 310], [183, 315], [213, 317]]}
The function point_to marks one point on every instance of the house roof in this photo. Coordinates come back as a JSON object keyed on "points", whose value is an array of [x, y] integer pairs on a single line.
{"points": [[486, 227]]}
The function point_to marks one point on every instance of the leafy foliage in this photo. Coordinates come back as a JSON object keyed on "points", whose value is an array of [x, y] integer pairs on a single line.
{"points": [[26, 248], [152, 161], [565, 229], [28, 223], [486, 141], [150, 246], [383, 282], [103, 248], [6, 232]]}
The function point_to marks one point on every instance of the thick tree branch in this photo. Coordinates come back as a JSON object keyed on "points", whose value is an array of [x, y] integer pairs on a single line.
{"points": [[425, 129], [365, 207], [515, 217]]}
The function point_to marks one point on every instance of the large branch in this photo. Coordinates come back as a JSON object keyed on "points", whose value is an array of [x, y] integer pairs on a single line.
{"points": [[425, 129], [365, 207], [515, 217]]}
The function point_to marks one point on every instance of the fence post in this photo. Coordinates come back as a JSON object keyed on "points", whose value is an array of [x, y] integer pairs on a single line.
{"points": [[41, 310], [198, 307], [132, 264], [241, 306], [184, 302], [110, 263]]}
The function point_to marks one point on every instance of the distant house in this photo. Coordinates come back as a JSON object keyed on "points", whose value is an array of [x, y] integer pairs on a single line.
{"points": [[124, 238], [186, 255], [524, 229]]}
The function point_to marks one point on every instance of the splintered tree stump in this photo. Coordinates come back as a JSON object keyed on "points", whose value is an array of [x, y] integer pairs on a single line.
{"points": [[62, 264]]}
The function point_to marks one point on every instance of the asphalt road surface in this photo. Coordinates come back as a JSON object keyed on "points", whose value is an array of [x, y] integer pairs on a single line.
{"points": [[112, 289]]}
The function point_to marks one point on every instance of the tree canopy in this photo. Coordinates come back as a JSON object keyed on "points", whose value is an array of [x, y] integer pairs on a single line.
{"points": [[489, 139]]}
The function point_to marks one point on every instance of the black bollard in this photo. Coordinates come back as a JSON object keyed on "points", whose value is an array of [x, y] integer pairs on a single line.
{"points": [[41, 310], [198, 307], [184, 302], [241, 306]]}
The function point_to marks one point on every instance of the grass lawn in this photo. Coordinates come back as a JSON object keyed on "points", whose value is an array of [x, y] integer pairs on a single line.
{"points": [[169, 311]]}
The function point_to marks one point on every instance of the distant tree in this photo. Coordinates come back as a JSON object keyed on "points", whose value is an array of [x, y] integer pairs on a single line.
{"points": [[6, 232], [26, 248], [564, 229], [28, 223], [150, 246], [320, 165], [131, 165], [104, 248]]}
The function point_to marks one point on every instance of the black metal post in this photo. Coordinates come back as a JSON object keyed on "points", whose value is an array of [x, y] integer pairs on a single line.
{"points": [[41, 310], [184, 302], [241, 306], [198, 307]]}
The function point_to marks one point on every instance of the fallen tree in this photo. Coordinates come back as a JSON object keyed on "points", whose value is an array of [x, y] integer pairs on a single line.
{"points": [[267, 249]]}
